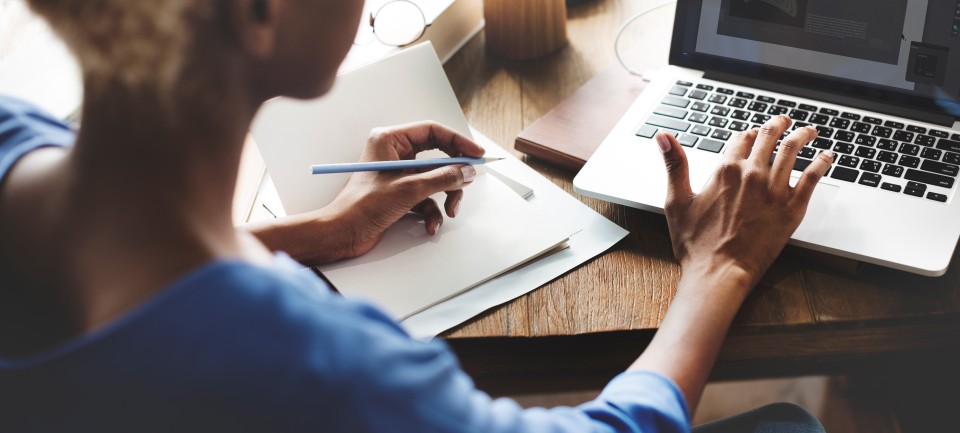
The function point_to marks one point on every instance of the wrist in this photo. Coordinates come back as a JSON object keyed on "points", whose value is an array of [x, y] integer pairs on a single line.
{"points": [[725, 277]]}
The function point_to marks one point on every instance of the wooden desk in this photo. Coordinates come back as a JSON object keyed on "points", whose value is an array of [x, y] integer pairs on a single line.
{"points": [[585, 327]]}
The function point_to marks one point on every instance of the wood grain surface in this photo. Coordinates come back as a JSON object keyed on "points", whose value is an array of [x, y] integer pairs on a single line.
{"points": [[591, 322]]}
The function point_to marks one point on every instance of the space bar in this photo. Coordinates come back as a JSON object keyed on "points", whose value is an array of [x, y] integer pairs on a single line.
{"points": [[665, 122]]}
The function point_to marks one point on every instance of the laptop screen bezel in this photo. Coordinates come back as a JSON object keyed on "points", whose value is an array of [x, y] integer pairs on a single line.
{"points": [[688, 13]]}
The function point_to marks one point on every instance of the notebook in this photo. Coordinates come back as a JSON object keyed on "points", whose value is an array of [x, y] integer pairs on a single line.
{"points": [[495, 231], [877, 80]]}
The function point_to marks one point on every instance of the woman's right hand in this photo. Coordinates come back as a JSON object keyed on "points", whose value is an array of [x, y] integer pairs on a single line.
{"points": [[745, 214]]}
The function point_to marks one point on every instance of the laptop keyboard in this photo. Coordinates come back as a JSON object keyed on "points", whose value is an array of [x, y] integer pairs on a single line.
{"points": [[894, 156]]}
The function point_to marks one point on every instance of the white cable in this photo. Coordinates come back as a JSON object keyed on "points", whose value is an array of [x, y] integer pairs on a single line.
{"points": [[616, 43]]}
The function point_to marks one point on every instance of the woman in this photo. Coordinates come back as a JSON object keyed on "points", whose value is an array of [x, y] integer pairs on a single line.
{"points": [[130, 302]]}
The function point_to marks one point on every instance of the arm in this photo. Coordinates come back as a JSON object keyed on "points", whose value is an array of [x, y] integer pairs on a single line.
{"points": [[725, 239], [371, 202]]}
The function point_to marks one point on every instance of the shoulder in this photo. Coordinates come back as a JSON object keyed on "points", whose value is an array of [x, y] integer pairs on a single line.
{"points": [[25, 127]]}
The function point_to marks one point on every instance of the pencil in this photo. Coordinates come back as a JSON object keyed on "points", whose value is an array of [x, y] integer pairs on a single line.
{"points": [[406, 164]]}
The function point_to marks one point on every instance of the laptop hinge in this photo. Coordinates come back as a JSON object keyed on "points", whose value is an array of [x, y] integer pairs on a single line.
{"points": [[891, 109]]}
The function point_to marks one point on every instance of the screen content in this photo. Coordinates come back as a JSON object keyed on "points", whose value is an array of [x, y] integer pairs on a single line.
{"points": [[911, 46]]}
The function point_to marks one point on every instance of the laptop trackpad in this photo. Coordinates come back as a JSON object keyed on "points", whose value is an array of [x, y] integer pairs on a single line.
{"points": [[820, 203]]}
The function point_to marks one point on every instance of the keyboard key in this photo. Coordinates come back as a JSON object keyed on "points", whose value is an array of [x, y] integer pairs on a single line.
{"points": [[849, 161], [737, 103], [777, 110], [787, 103], [842, 147], [839, 123], [807, 152], [666, 122], [704, 87], [871, 166], [741, 115], [909, 149], [819, 119], [678, 91], [718, 122], [892, 170], [720, 134], [861, 127], [807, 107], [697, 94], [724, 90], [845, 174], [866, 140], [738, 126], [955, 137], [952, 158], [881, 131], [903, 136], [872, 120], [720, 111], [684, 83], [675, 101], [940, 168], [701, 130], [824, 131], [757, 106], [746, 95], [917, 129], [890, 187], [851, 116], [929, 178], [647, 131], [666, 110], [895, 125], [909, 161], [887, 144], [870, 179], [953, 146], [822, 143], [865, 152], [887, 156], [925, 140], [688, 140], [765, 99], [938, 133], [915, 189], [929, 153], [717, 99], [700, 106], [760, 119], [799, 115], [710, 145], [936, 197], [844, 136], [698, 117], [801, 164], [829, 112]]}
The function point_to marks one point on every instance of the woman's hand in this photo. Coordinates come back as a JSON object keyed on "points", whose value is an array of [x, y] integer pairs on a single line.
{"points": [[371, 202], [743, 217]]}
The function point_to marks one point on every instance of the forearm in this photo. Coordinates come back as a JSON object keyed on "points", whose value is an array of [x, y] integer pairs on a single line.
{"points": [[313, 238], [689, 339]]}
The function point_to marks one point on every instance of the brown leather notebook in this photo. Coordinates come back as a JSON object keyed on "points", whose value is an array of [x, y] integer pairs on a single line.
{"points": [[569, 133]]}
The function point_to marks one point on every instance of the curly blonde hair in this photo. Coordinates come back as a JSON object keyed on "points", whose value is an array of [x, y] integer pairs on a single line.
{"points": [[138, 43]]}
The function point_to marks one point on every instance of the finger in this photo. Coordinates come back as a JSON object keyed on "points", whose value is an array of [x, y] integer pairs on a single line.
{"points": [[447, 178], [678, 172], [787, 154], [811, 176], [452, 203], [767, 139], [432, 218], [422, 136], [741, 144]]}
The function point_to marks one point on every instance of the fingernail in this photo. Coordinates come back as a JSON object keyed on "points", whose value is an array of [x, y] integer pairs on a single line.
{"points": [[829, 153], [469, 173], [456, 207], [663, 143]]}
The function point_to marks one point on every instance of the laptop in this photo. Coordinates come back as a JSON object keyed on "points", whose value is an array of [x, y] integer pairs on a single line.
{"points": [[879, 79]]}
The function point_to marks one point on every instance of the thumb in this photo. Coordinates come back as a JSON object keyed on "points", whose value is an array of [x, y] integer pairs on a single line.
{"points": [[678, 172], [448, 178]]}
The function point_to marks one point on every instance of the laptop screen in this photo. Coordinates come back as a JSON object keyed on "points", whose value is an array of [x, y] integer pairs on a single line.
{"points": [[897, 51]]}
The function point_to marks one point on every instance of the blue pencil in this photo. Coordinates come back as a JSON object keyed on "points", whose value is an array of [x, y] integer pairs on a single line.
{"points": [[406, 164]]}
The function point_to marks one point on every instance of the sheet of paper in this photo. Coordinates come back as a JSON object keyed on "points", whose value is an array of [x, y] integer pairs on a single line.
{"points": [[408, 271], [595, 235]]}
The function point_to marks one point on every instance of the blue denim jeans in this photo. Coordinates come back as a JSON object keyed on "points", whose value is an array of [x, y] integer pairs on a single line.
{"points": [[774, 418]]}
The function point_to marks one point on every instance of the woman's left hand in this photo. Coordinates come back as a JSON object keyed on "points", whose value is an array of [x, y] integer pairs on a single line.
{"points": [[371, 202]]}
